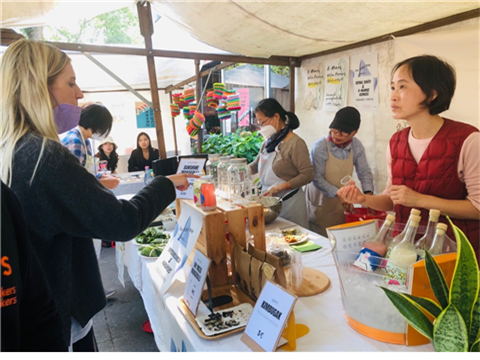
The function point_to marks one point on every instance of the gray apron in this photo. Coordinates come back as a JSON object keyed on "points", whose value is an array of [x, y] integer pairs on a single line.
{"points": [[293, 209], [322, 211]]}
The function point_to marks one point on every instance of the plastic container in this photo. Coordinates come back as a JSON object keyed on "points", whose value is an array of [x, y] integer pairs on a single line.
{"points": [[207, 194], [363, 214], [148, 176]]}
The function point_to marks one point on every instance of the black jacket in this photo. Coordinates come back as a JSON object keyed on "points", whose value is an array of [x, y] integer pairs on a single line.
{"points": [[137, 162], [66, 207], [30, 320]]}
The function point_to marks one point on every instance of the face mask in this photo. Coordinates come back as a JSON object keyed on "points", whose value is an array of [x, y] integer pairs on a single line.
{"points": [[66, 116], [267, 131]]}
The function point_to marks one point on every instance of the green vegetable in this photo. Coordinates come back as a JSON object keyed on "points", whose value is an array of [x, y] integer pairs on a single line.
{"points": [[150, 235]]}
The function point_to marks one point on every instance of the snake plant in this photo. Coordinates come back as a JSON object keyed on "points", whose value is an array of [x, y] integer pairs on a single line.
{"points": [[457, 314]]}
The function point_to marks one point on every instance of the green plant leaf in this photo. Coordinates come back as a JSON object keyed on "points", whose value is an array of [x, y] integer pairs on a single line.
{"points": [[450, 332], [475, 347], [465, 282], [475, 327], [414, 316], [437, 280], [428, 305]]}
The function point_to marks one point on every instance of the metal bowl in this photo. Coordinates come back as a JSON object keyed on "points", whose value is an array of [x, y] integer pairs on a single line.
{"points": [[270, 211]]}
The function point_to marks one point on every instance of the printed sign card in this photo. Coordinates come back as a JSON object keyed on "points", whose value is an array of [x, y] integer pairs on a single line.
{"points": [[179, 247], [336, 84], [269, 317], [195, 281], [190, 166]]}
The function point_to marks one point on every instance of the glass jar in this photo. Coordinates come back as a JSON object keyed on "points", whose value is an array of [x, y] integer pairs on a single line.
{"points": [[212, 163], [207, 194], [239, 182], [222, 173]]}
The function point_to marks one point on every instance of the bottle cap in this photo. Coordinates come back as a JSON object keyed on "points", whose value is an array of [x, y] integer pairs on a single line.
{"points": [[442, 226], [207, 177], [415, 212], [415, 219], [390, 217], [434, 214]]}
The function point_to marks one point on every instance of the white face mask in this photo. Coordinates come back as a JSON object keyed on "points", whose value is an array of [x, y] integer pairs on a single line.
{"points": [[267, 131]]}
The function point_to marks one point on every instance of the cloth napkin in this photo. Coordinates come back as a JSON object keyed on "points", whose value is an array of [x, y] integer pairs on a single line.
{"points": [[307, 246]]}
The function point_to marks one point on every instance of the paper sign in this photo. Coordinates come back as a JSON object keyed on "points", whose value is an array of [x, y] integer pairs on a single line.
{"points": [[364, 82], [145, 116], [269, 317], [195, 281], [336, 84], [189, 166], [179, 247]]}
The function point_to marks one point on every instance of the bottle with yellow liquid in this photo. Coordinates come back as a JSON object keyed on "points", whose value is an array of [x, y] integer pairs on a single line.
{"points": [[397, 239], [402, 255], [426, 240]]}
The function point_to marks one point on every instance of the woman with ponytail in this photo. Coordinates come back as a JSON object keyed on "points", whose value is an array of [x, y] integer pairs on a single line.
{"points": [[283, 163]]}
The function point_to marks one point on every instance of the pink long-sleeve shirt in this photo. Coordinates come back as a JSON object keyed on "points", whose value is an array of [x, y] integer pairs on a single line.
{"points": [[468, 164]]}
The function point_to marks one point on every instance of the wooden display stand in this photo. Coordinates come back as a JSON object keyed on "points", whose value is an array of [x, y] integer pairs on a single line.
{"points": [[212, 240]]}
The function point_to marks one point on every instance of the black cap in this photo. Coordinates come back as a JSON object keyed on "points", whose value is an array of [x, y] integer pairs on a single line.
{"points": [[346, 119]]}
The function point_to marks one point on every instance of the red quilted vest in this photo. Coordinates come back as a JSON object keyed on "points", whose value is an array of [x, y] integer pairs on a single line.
{"points": [[435, 174]]}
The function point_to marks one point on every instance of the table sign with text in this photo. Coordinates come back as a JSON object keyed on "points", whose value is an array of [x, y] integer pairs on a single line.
{"points": [[190, 166], [269, 317], [179, 247], [195, 281]]}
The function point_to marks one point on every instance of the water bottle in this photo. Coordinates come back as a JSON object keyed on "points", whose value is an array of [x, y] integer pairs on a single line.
{"points": [[148, 176]]}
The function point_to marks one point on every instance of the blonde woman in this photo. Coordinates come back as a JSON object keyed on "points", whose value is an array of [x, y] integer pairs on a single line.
{"points": [[61, 198]]}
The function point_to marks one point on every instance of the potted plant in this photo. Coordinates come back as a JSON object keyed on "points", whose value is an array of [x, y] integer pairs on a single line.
{"points": [[456, 325]]}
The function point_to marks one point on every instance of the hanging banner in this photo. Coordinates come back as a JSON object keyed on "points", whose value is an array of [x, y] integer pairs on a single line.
{"points": [[244, 112], [336, 84], [364, 82], [315, 86], [145, 117]]}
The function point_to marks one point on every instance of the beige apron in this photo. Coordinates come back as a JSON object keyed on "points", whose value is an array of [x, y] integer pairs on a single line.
{"points": [[322, 211]]}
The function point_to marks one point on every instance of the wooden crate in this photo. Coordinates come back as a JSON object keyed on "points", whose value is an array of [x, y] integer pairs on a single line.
{"points": [[226, 219]]}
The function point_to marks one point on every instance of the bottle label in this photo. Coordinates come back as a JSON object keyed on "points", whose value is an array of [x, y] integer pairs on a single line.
{"points": [[368, 260], [394, 275]]}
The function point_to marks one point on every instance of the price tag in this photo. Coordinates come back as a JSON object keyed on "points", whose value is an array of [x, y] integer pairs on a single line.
{"points": [[190, 166], [179, 247], [195, 280], [269, 317]]}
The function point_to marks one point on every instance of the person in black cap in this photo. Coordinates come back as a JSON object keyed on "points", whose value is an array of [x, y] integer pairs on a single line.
{"points": [[334, 157]]}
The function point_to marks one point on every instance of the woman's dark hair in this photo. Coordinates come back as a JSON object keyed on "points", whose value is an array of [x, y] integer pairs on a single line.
{"points": [[150, 148], [270, 107], [98, 118], [432, 75]]}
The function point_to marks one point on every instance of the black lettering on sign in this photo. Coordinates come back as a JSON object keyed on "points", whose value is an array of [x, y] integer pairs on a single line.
{"points": [[167, 267], [174, 255], [271, 310]]}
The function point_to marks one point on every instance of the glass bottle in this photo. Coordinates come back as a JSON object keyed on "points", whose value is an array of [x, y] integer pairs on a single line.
{"points": [[426, 240], [372, 252], [222, 173], [207, 194], [403, 254], [211, 166], [239, 183], [397, 239], [148, 176], [437, 244]]}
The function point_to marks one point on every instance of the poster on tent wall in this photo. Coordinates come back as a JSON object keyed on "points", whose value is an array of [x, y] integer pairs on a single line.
{"points": [[315, 86], [336, 84], [145, 117], [244, 112], [364, 82]]}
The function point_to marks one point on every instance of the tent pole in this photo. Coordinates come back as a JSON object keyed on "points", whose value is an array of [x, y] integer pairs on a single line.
{"points": [[198, 94], [146, 29], [292, 85], [173, 126]]}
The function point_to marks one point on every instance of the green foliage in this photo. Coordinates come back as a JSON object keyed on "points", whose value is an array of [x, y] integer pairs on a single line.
{"points": [[115, 27], [241, 144], [457, 325]]}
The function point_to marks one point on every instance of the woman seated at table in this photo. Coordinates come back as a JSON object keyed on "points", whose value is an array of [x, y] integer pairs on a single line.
{"points": [[433, 163], [143, 155], [108, 151], [283, 162]]}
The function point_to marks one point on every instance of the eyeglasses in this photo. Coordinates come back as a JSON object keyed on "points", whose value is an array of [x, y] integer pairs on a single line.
{"points": [[338, 132], [264, 122]]}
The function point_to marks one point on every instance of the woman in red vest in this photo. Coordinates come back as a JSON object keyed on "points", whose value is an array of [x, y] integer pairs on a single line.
{"points": [[433, 163]]}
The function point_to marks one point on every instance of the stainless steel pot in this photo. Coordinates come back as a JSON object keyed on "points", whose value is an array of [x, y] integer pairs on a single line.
{"points": [[272, 205]]}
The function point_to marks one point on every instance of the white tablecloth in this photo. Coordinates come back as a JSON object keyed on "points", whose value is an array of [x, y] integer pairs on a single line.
{"points": [[322, 313]]}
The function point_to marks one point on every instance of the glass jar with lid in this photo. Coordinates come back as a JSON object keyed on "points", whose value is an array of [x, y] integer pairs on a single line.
{"points": [[239, 182], [207, 194], [222, 173], [211, 166]]}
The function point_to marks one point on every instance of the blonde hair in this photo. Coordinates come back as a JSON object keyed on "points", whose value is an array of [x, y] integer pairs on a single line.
{"points": [[28, 69]]}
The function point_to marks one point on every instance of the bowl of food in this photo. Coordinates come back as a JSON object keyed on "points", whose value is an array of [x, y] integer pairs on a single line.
{"points": [[271, 207]]}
